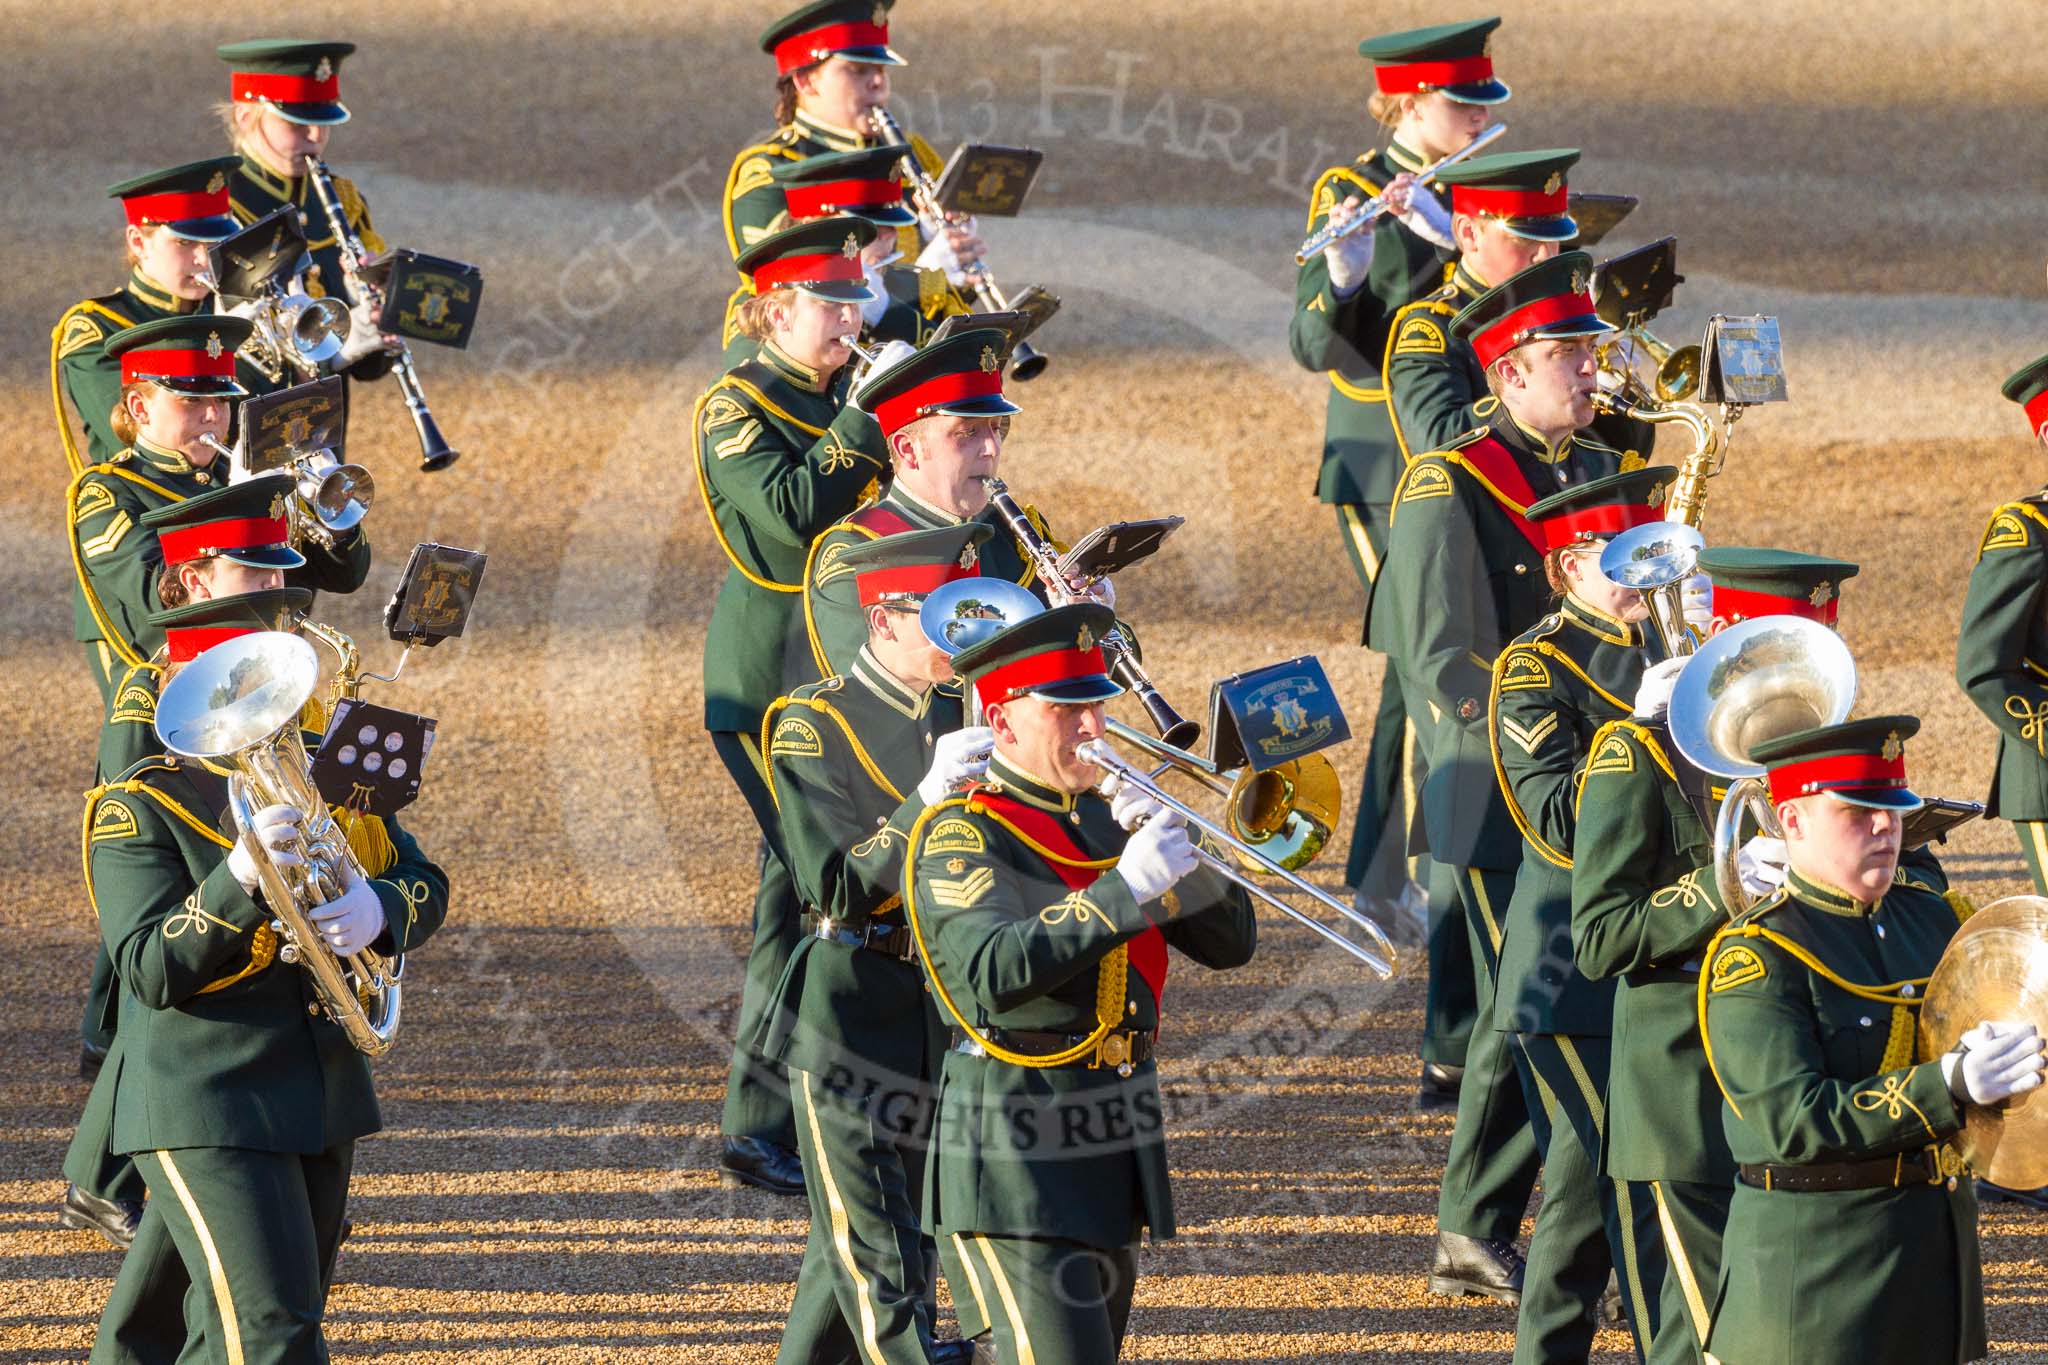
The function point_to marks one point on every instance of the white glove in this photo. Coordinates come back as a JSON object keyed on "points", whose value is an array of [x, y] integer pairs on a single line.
{"points": [[1157, 856], [364, 338], [957, 759], [1760, 865], [351, 921], [1997, 1061], [871, 311], [269, 828], [1349, 259], [1653, 694], [1697, 597], [891, 352], [938, 253], [247, 308], [1132, 807], [1428, 219]]}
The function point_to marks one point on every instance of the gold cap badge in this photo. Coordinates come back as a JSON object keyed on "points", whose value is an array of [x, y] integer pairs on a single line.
{"points": [[990, 362], [276, 506], [1552, 185], [216, 183], [1893, 747], [213, 346], [1656, 496], [323, 70], [1822, 594], [852, 247], [1085, 641], [1578, 281], [967, 556]]}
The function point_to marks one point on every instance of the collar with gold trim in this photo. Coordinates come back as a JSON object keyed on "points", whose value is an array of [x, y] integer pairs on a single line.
{"points": [[791, 370], [1012, 781], [896, 694], [170, 461], [837, 138], [917, 510], [1590, 618], [287, 188], [1821, 896], [146, 291], [1535, 443], [1469, 285], [1404, 158]]}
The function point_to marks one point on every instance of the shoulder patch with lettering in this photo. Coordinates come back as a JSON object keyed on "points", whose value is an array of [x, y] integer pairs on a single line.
{"points": [[795, 737], [1736, 965], [1522, 670], [1426, 481], [722, 409], [2007, 531], [829, 566], [954, 835], [960, 893], [80, 331], [1419, 335], [135, 705], [92, 499], [1613, 756], [112, 819]]}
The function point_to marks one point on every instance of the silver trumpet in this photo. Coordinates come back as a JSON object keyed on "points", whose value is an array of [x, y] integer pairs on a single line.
{"points": [[333, 498], [1378, 959], [290, 329], [1376, 208]]}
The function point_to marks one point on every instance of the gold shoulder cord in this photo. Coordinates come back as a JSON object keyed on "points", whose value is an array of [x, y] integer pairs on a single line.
{"points": [[71, 455], [126, 652], [1642, 736], [810, 617], [704, 476], [1110, 977]]}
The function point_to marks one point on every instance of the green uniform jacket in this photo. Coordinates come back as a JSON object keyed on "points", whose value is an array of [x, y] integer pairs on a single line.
{"points": [[116, 559], [1436, 388], [1346, 338], [1552, 690], [780, 457], [1461, 581], [834, 625], [1074, 1151], [2004, 636], [1811, 1075], [844, 759], [219, 1047]]}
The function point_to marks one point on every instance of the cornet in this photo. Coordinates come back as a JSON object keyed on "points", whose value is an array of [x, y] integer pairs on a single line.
{"points": [[290, 329], [333, 498]]}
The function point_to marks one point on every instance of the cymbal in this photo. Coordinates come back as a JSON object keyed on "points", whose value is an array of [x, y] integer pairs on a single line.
{"points": [[1996, 967]]}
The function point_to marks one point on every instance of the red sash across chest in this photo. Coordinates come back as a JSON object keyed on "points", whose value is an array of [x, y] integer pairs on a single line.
{"points": [[1148, 950], [1496, 464], [883, 521]]}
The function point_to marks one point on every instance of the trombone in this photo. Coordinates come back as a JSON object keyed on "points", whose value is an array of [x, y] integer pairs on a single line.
{"points": [[1288, 811], [1377, 206], [1378, 959], [1677, 375]]}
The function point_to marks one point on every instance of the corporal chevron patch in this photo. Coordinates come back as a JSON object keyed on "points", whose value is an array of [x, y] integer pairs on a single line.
{"points": [[109, 537], [739, 442], [1529, 737]]}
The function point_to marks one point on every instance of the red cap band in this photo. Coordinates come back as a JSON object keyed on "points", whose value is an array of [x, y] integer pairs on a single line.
{"points": [[1478, 199], [143, 209], [826, 265], [240, 533], [896, 413], [1414, 76], [279, 89], [2037, 411], [1566, 528], [878, 585], [1055, 665], [1511, 329], [187, 643], [818, 201], [1845, 772], [817, 44], [1735, 604], [176, 364]]}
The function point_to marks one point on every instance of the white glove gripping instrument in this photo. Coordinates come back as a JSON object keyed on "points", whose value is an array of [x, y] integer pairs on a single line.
{"points": [[891, 352], [957, 759], [1697, 603], [364, 338], [351, 921], [1428, 219], [272, 828], [871, 311], [1349, 259], [1653, 694], [1760, 864], [1131, 807], [1992, 1062], [1157, 856]]}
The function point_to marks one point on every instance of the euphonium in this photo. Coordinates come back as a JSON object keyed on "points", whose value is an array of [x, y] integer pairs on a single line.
{"points": [[238, 705]]}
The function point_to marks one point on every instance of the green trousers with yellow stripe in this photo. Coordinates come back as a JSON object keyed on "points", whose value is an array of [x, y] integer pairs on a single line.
{"points": [[255, 1234], [1693, 1218], [1049, 1301], [1378, 863], [756, 1091], [2034, 848]]}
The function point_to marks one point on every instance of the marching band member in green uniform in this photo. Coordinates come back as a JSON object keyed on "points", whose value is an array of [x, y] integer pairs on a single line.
{"points": [[1044, 928], [1464, 577], [1852, 1236], [1553, 688], [781, 455], [1644, 905], [853, 761], [1434, 90], [173, 216], [2002, 651], [239, 1100]]}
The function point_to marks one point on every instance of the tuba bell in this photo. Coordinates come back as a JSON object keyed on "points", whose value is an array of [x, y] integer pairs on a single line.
{"points": [[237, 705], [1754, 682]]}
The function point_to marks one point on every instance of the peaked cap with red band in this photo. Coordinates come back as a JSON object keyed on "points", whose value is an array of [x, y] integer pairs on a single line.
{"points": [[903, 568], [246, 522], [821, 257], [196, 627], [2029, 388], [857, 30], [1550, 299], [1604, 507], [192, 354], [297, 78], [1526, 191], [866, 183], [1862, 762], [961, 376], [1750, 582], [191, 200], [1056, 655], [1447, 57]]}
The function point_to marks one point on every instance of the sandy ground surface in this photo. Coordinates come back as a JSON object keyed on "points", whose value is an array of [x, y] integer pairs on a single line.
{"points": [[543, 1191]]}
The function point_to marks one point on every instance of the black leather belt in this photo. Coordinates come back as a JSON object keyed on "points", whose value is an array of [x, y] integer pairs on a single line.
{"points": [[1123, 1049], [1915, 1168], [890, 940]]}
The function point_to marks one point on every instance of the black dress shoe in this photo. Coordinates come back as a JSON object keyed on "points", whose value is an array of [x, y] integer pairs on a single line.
{"points": [[1473, 1265], [764, 1165], [1439, 1088], [113, 1219], [90, 1059]]}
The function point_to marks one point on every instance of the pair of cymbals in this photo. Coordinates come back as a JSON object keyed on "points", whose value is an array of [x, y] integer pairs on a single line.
{"points": [[1996, 967]]}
